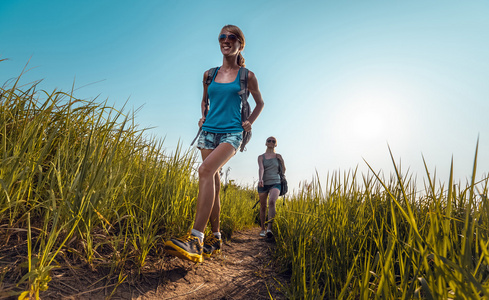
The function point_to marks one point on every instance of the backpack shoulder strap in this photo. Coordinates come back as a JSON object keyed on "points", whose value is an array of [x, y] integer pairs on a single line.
{"points": [[280, 164], [245, 106], [243, 82], [210, 75]]}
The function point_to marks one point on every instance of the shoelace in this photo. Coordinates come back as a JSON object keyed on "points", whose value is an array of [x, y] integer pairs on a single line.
{"points": [[187, 238], [210, 239]]}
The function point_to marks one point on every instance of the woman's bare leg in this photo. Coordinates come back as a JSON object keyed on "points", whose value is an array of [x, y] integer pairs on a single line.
{"points": [[216, 208], [263, 208], [272, 199], [214, 160]]}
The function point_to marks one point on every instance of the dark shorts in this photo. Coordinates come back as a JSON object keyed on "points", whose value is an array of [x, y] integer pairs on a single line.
{"points": [[210, 140], [266, 188]]}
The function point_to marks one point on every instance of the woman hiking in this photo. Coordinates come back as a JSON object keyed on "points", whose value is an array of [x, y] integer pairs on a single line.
{"points": [[269, 165], [222, 134]]}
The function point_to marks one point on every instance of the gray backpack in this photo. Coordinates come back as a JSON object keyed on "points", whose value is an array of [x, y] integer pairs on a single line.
{"points": [[244, 93]]}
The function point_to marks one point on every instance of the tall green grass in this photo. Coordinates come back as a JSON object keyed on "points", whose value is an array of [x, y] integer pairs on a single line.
{"points": [[382, 239], [81, 184]]}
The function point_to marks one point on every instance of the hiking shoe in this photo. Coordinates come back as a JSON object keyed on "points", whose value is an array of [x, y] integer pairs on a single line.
{"points": [[263, 233], [187, 247], [269, 234], [212, 245]]}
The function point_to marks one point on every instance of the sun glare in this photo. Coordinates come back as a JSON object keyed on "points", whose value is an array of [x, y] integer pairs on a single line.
{"points": [[370, 115], [365, 120]]}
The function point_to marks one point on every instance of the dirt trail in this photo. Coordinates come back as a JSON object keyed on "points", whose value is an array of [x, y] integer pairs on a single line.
{"points": [[243, 270]]}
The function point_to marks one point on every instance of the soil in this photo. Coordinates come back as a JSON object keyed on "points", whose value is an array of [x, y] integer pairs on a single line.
{"points": [[243, 270]]}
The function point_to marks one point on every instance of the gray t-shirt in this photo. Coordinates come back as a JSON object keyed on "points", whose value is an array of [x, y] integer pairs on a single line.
{"points": [[270, 171]]}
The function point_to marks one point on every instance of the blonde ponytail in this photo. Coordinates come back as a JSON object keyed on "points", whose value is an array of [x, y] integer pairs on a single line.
{"points": [[241, 60]]}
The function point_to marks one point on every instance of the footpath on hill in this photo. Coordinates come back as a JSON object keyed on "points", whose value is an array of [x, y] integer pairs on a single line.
{"points": [[244, 270]]}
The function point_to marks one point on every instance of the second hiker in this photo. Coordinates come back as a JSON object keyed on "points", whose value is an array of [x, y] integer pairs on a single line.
{"points": [[269, 164]]}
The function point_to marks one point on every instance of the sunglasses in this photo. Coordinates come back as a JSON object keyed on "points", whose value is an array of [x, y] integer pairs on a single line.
{"points": [[231, 37], [271, 141]]}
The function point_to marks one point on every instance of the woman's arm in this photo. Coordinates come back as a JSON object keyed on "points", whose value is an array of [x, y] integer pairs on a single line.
{"points": [[204, 105], [261, 170], [255, 92]]}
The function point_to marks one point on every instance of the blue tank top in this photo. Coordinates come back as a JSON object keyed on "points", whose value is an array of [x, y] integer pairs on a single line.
{"points": [[224, 114]]}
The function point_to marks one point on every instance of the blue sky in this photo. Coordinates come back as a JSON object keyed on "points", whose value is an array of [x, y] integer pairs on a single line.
{"points": [[341, 80]]}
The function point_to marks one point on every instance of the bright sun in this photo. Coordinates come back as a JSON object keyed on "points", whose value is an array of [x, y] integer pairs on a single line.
{"points": [[365, 121], [370, 115]]}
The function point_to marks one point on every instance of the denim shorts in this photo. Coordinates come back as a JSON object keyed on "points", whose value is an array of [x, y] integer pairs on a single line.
{"points": [[267, 187], [210, 140]]}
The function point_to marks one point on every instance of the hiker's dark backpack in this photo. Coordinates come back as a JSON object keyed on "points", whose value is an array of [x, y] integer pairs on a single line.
{"points": [[244, 93]]}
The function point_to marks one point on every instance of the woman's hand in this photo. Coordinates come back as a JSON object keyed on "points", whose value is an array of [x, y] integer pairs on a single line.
{"points": [[201, 121], [246, 126], [260, 183]]}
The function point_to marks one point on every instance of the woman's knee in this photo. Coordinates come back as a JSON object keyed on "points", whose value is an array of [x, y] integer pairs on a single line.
{"points": [[274, 194], [205, 171]]}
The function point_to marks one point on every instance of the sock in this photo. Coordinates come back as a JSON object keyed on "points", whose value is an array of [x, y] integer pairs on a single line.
{"points": [[198, 234], [217, 235]]}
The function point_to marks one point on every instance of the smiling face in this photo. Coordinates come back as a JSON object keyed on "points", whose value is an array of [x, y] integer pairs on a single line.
{"points": [[230, 43]]}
